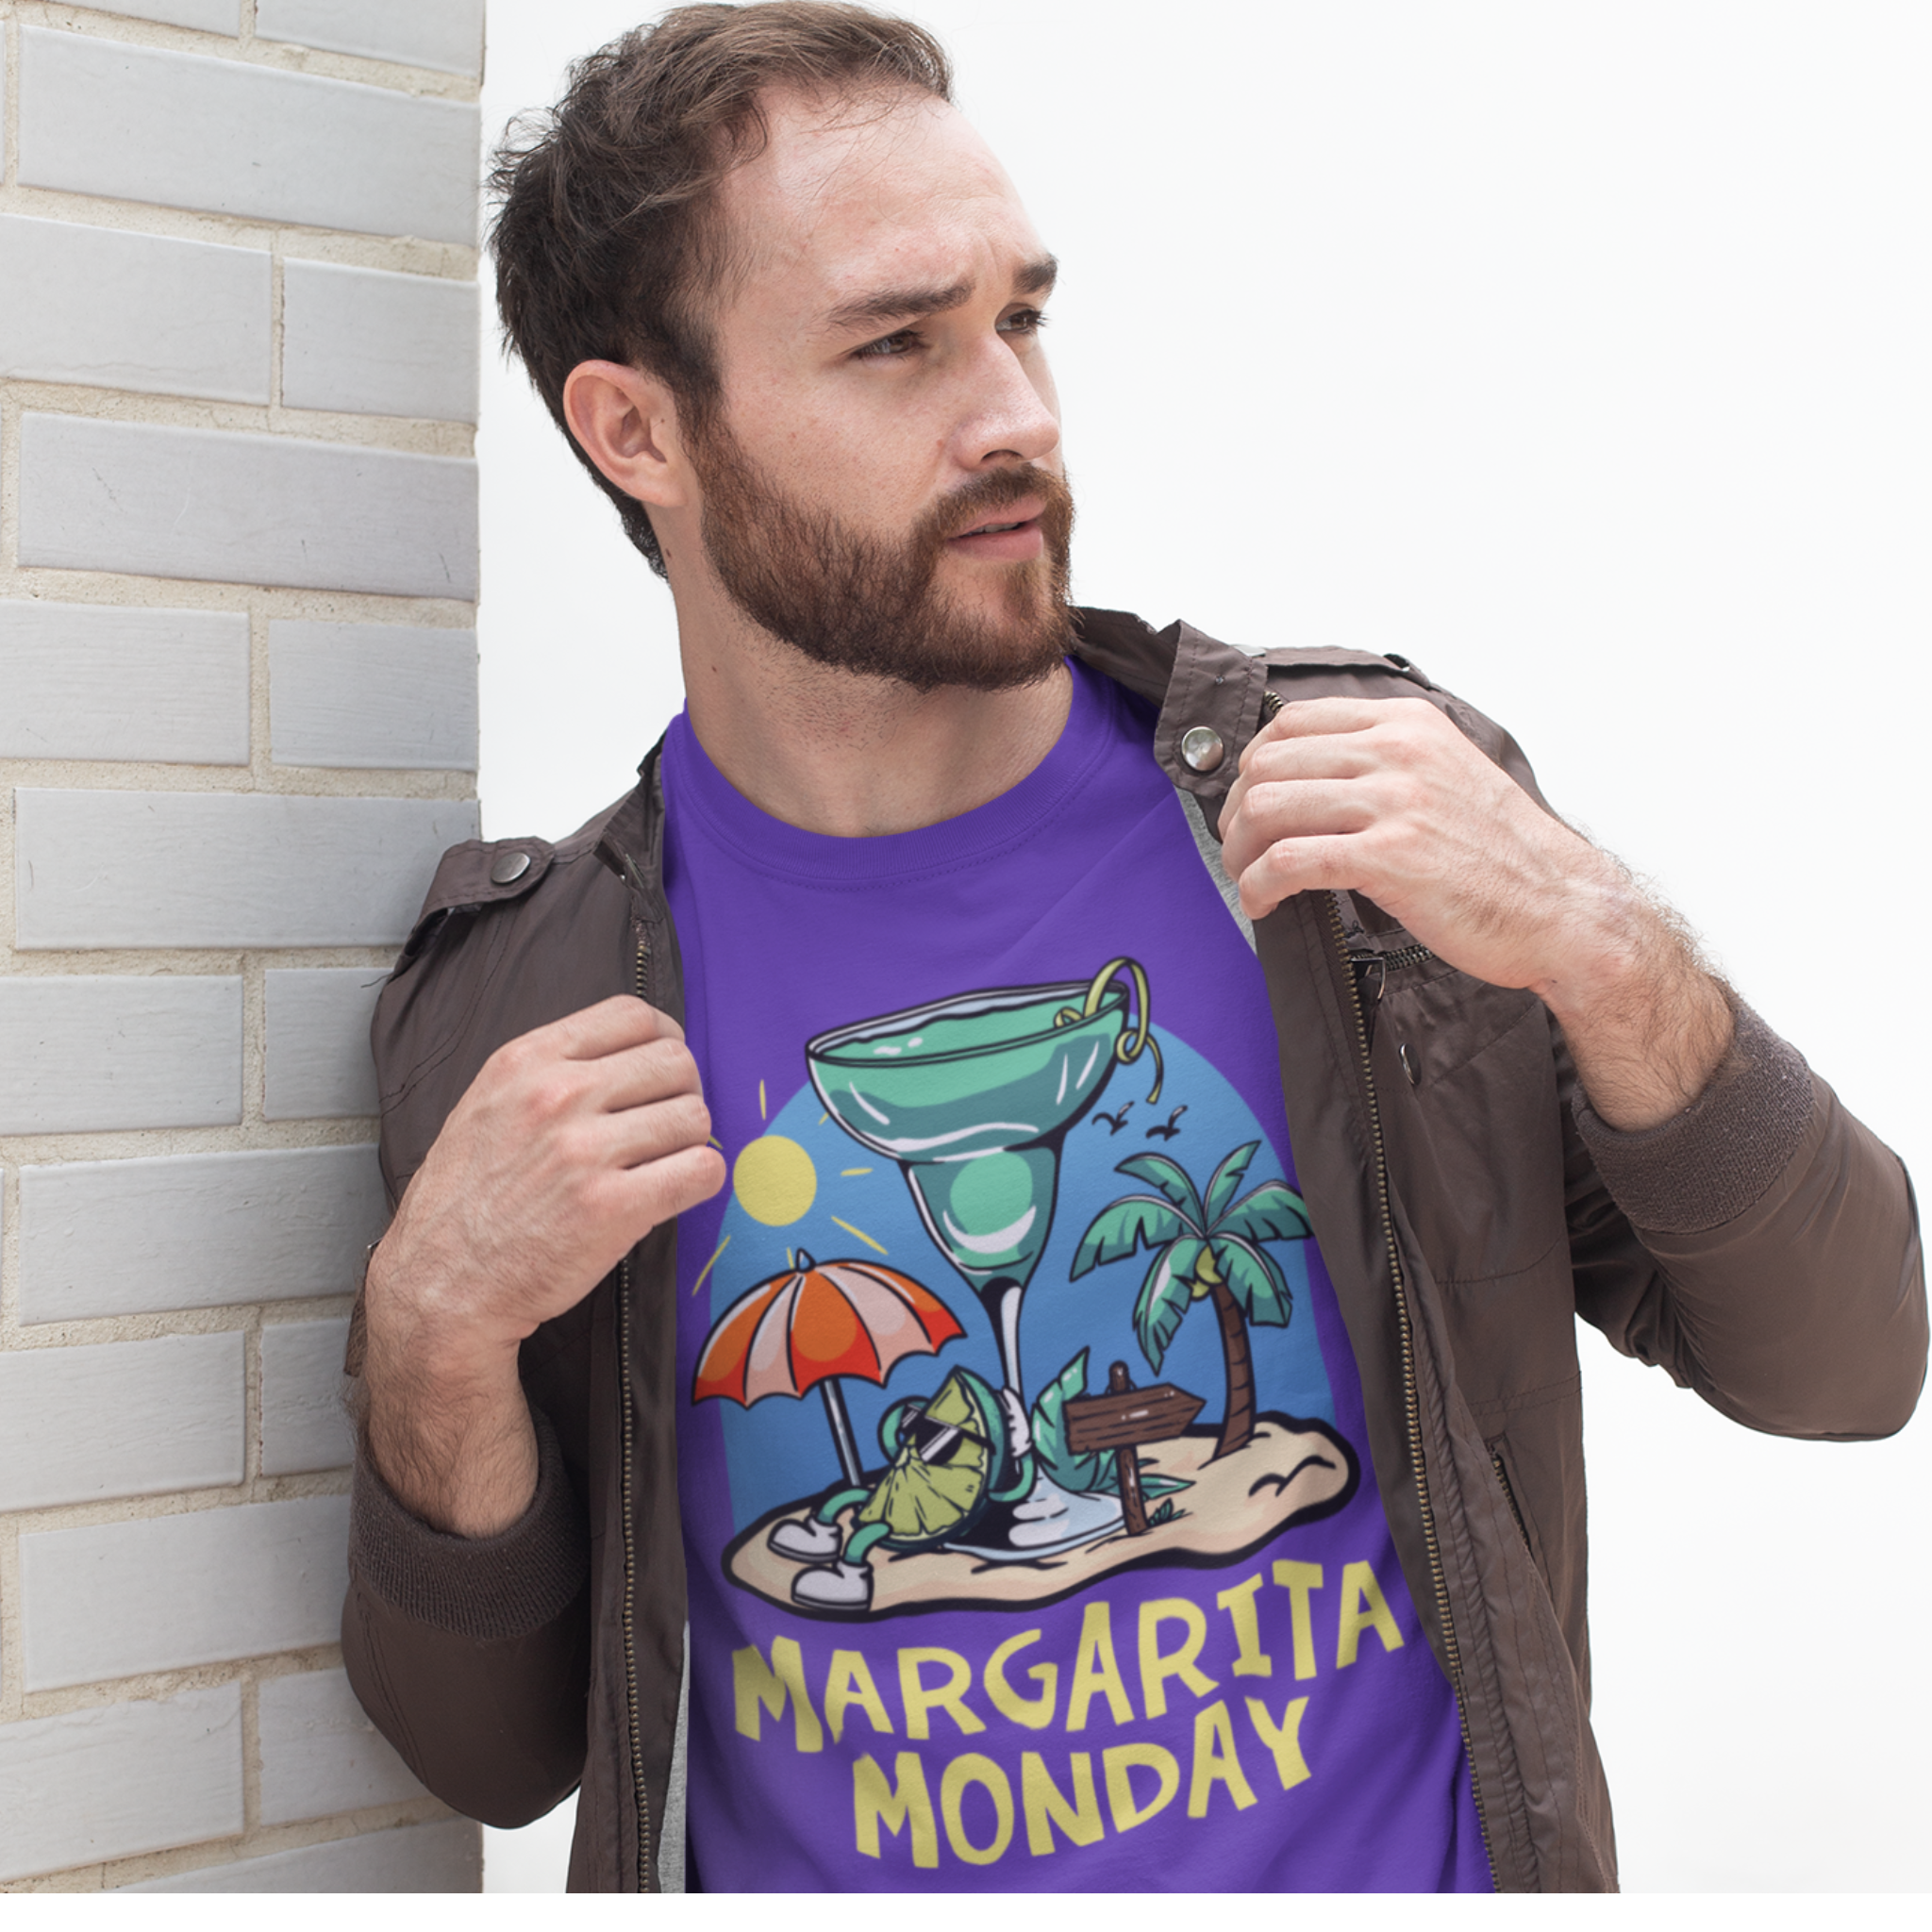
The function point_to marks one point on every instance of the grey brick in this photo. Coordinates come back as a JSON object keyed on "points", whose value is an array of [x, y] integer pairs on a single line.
{"points": [[211, 16], [120, 1779], [120, 1419], [373, 695], [446, 35], [445, 1857], [196, 1230], [303, 1423], [85, 1053], [190, 130], [201, 869], [103, 681], [123, 311], [229, 507], [385, 345], [170, 1592], [321, 1755], [319, 1063]]}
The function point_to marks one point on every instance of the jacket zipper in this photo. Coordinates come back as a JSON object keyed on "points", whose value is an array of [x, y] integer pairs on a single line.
{"points": [[1411, 1393], [625, 1504]]}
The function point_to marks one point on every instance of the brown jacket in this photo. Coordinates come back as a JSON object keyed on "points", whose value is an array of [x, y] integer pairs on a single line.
{"points": [[1761, 1247]]}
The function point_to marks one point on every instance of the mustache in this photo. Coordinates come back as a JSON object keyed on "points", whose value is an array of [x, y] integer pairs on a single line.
{"points": [[976, 501]]}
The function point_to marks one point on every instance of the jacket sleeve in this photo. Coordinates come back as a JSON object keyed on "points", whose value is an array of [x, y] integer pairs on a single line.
{"points": [[473, 1655], [1762, 1246]]}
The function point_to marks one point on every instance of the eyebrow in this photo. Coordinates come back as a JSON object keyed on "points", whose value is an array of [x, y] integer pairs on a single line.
{"points": [[908, 305]]}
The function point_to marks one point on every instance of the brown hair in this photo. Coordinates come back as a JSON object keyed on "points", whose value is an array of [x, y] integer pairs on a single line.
{"points": [[603, 242]]}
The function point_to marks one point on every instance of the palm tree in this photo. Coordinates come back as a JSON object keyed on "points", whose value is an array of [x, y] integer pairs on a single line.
{"points": [[1202, 1249]]}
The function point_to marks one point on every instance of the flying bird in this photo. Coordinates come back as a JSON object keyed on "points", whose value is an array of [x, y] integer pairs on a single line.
{"points": [[1170, 1130], [1115, 1121]]}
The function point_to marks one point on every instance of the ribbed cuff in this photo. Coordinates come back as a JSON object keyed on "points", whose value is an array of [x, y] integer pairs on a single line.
{"points": [[1721, 1156], [485, 1586]]}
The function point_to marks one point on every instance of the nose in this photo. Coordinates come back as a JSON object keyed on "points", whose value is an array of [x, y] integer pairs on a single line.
{"points": [[1010, 412]]}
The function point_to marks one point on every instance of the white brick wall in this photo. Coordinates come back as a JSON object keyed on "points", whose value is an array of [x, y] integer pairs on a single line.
{"points": [[103, 1238], [372, 694], [318, 1043], [419, 1857], [303, 1422], [425, 33], [117, 1779], [181, 680], [145, 498], [237, 566], [390, 346], [79, 1053], [215, 16], [135, 311], [321, 1754], [121, 1418], [161, 1593], [204, 869], [190, 130]]}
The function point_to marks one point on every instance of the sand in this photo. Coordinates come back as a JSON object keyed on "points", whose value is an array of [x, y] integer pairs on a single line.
{"points": [[1291, 1470]]}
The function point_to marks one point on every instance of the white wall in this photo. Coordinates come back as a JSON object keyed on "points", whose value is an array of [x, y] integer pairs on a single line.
{"points": [[1578, 352], [238, 554]]}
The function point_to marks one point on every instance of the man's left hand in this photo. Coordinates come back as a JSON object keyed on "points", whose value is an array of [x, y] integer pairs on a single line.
{"points": [[1387, 797]]}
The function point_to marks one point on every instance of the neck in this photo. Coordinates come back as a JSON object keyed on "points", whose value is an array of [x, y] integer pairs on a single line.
{"points": [[851, 757]]}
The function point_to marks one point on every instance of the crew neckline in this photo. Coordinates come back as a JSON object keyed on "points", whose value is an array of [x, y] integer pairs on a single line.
{"points": [[1022, 813]]}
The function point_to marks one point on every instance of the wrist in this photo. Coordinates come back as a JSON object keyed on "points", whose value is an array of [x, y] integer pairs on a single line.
{"points": [[1609, 953], [448, 1428], [423, 1329]]}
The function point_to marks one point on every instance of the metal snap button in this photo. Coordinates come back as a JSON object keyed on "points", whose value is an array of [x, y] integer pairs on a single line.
{"points": [[508, 867], [1202, 749]]}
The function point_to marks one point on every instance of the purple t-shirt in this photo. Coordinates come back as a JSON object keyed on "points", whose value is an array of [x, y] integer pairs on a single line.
{"points": [[1032, 1538]]}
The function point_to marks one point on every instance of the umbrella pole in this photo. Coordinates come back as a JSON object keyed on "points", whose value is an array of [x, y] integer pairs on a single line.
{"points": [[842, 1432]]}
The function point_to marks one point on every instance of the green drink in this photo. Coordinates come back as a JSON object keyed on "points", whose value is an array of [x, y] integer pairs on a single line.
{"points": [[972, 1097]]}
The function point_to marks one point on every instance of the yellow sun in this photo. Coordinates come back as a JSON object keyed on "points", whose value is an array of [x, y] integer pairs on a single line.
{"points": [[774, 1180]]}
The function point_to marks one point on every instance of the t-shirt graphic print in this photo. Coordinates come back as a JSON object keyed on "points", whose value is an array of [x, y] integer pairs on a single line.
{"points": [[1030, 1538]]}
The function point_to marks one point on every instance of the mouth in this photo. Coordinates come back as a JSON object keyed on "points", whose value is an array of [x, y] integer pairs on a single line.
{"points": [[1020, 525]]}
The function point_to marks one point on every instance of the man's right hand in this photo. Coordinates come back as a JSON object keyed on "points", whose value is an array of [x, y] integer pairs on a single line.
{"points": [[570, 1146]]}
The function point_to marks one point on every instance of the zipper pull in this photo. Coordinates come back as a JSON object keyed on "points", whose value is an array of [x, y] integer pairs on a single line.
{"points": [[1370, 982]]}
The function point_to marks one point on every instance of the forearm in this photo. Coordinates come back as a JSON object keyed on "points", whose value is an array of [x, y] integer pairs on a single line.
{"points": [[1647, 1026], [449, 1430]]}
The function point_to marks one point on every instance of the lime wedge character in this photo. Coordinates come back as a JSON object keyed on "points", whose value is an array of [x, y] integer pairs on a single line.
{"points": [[951, 1458], [808, 1328]]}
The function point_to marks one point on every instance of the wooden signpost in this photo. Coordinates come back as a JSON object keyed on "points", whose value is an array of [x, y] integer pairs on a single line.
{"points": [[1123, 1420]]}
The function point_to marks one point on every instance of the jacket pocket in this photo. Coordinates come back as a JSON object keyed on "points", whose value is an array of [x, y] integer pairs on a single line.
{"points": [[1470, 1112], [1499, 1461]]}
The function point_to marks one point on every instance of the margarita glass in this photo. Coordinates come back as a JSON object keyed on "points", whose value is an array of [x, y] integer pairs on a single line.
{"points": [[972, 1097]]}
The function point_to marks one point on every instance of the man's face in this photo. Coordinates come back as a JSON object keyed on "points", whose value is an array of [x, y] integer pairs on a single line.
{"points": [[882, 486]]}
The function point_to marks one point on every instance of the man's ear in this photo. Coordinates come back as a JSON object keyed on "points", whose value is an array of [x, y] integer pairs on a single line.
{"points": [[625, 421]]}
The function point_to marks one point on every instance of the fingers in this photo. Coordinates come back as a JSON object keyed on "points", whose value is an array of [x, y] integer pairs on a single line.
{"points": [[654, 1131], [611, 1026], [1315, 718], [1329, 864], [659, 1070], [665, 1187]]}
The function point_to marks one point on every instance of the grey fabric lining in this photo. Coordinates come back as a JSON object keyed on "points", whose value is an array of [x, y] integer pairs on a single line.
{"points": [[671, 1840], [484, 1587], [1209, 846], [1725, 1152]]}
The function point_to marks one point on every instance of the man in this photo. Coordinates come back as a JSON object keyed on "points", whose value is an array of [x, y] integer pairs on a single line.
{"points": [[1030, 977]]}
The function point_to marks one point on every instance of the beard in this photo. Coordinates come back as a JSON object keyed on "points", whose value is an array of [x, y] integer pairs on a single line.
{"points": [[872, 606]]}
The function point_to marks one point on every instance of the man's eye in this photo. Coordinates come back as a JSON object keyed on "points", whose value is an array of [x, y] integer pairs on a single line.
{"points": [[901, 344], [1028, 322]]}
